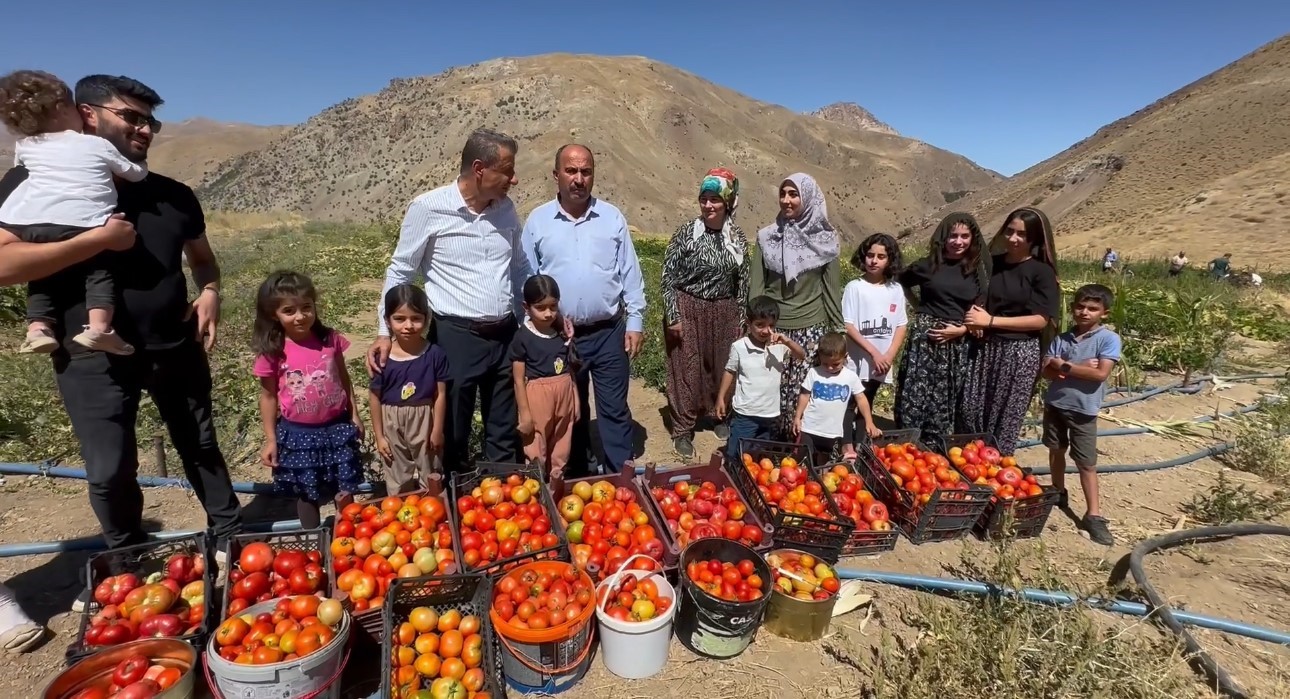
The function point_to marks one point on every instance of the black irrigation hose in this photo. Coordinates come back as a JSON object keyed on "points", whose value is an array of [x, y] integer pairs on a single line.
{"points": [[1219, 678]]}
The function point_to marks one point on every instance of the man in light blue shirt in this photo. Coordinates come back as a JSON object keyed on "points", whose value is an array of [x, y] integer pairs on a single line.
{"points": [[583, 243]]}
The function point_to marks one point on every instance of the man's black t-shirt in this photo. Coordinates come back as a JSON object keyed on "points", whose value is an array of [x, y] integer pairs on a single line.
{"points": [[152, 294]]}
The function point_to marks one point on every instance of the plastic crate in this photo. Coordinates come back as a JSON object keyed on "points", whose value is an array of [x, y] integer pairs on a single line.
{"points": [[821, 535], [624, 479], [1022, 518], [144, 560], [464, 483], [864, 542], [305, 540], [712, 472], [469, 594], [947, 515]]}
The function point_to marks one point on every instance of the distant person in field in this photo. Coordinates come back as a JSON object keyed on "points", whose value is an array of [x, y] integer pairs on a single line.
{"points": [[464, 240], [171, 333], [796, 265], [1077, 365], [1021, 311], [944, 285], [1177, 264], [583, 243], [1109, 259], [873, 308], [1220, 267], [705, 288], [68, 191]]}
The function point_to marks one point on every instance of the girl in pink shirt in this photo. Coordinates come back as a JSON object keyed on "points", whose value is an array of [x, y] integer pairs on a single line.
{"points": [[312, 428]]}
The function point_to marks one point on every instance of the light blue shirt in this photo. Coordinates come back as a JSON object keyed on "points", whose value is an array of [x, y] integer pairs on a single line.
{"points": [[1081, 395], [592, 259]]}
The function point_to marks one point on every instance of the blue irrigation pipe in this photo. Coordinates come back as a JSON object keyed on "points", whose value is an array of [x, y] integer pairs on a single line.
{"points": [[925, 583]]}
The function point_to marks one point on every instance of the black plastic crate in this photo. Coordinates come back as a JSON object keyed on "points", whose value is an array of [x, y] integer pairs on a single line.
{"points": [[144, 560], [712, 472], [822, 535], [469, 594], [464, 483], [864, 542], [623, 479], [947, 515], [1018, 518], [304, 540]]}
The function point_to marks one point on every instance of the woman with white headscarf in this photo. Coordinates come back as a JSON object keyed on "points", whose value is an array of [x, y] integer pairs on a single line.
{"points": [[796, 264]]}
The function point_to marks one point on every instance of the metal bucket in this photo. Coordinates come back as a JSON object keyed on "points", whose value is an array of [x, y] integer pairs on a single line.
{"points": [[97, 669]]}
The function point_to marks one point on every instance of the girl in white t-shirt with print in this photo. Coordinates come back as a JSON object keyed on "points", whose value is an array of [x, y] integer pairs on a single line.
{"points": [[829, 391], [873, 308]]}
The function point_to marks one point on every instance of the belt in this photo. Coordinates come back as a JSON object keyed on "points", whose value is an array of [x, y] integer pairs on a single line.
{"points": [[596, 326], [480, 327]]}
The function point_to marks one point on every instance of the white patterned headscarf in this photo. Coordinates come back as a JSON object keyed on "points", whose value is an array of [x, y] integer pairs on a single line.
{"points": [[791, 247]]}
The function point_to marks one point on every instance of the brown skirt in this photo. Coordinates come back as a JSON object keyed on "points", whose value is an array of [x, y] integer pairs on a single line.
{"points": [[696, 363]]}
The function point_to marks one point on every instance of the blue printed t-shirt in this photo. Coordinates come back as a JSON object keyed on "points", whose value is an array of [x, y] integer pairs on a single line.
{"points": [[412, 381], [1081, 396], [829, 398]]}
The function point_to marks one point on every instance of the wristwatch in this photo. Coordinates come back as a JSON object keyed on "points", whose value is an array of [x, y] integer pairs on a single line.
{"points": [[1064, 369]]}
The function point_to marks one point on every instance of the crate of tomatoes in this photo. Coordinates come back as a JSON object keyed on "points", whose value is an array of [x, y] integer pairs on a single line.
{"points": [[438, 640], [606, 520], [504, 517], [377, 540], [783, 489], [160, 588], [281, 564], [927, 496], [1020, 505], [874, 532], [699, 502]]}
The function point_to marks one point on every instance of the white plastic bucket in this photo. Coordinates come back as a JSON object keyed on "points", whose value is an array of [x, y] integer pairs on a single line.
{"points": [[636, 649], [303, 677]]}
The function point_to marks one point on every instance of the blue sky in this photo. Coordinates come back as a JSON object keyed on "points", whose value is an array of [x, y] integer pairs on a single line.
{"points": [[1006, 83]]}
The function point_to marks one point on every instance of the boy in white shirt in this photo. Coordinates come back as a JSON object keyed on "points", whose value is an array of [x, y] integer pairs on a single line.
{"points": [[755, 366], [827, 389], [68, 191]]}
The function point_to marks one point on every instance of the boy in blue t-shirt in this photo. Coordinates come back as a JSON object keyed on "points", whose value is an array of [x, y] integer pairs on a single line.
{"points": [[1077, 365]]}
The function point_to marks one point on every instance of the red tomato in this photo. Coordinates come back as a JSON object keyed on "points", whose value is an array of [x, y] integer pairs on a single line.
{"points": [[130, 670], [255, 557]]}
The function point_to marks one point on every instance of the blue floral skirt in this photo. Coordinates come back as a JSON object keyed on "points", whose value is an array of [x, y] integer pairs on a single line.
{"points": [[317, 462]]}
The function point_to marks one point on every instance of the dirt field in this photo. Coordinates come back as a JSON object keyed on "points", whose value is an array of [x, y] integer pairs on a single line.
{"points": [[1247, 580]]}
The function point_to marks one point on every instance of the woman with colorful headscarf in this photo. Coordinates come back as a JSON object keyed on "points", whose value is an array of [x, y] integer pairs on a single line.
{"points": [[943, 286], [796, 264], [705, 282], [1021, 310]]}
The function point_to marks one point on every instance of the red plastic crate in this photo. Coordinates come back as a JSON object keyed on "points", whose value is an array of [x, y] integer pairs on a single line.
{"points": [[625, 479]]}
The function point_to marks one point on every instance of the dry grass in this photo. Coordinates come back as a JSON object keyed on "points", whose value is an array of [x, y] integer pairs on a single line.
{"points": [[224, 223]]}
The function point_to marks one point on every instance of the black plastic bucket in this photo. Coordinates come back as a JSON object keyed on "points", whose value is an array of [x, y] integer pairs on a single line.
{"points": [[712, 627]]}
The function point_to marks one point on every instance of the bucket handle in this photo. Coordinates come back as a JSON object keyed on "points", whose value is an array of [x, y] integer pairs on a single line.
{"points": [[524, 660], [214, 688], [613, 579]]}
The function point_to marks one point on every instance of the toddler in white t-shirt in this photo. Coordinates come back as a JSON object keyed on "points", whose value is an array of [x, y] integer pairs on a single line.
{"points": [[828, 388], [68, 191]]}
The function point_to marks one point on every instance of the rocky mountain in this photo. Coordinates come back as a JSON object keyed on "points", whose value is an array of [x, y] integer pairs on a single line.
{"points": [[654, 129], [1204, 169], [853, 115]]}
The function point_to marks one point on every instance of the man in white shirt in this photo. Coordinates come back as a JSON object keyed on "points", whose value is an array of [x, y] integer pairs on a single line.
{"points": [[1177, 264], [464, 240]]}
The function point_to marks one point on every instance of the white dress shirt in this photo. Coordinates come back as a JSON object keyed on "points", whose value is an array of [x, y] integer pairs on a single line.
{"points": [[69, 180], [471, 262]]}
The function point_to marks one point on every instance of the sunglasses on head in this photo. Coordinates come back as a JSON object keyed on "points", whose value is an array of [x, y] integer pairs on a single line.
{"points": [[133, 118]]}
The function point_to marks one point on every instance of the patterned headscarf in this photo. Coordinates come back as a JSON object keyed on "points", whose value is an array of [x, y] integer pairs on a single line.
{"points": [[791, 247], [722, 183]]}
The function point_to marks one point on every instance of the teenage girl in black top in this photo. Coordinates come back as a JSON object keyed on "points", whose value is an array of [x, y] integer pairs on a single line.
{"points": [[1023, 302], [948, 281]]}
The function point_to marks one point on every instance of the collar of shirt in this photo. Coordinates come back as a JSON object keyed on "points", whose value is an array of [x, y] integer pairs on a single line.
{"points": [[752, 347], [589, 214]]}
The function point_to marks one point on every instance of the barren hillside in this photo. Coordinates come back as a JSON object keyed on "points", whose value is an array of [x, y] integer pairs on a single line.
{"points": [[655, 130], [1205, 169], [853, 115], [188, 150]]}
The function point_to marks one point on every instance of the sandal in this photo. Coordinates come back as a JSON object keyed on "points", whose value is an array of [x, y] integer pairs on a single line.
{"points": [[22, 637]]}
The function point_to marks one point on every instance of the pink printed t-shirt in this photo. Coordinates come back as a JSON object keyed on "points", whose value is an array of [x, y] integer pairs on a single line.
{"points": [[310, 391]]}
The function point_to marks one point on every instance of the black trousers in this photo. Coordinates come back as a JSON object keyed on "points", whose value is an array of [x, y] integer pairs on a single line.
{"points": [[100, 290], [852, 424], [101, 392], [606, 370], [479, 362]]}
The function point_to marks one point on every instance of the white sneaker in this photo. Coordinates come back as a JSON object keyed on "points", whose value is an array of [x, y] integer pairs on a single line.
{"points": [[38, 342], [100, 341]]}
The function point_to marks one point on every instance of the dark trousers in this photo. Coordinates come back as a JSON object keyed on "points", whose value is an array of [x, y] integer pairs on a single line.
{"points": [[604, 363], [852, 424], [479, 362], [100, 291], [101, 392], [745, 427]]}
